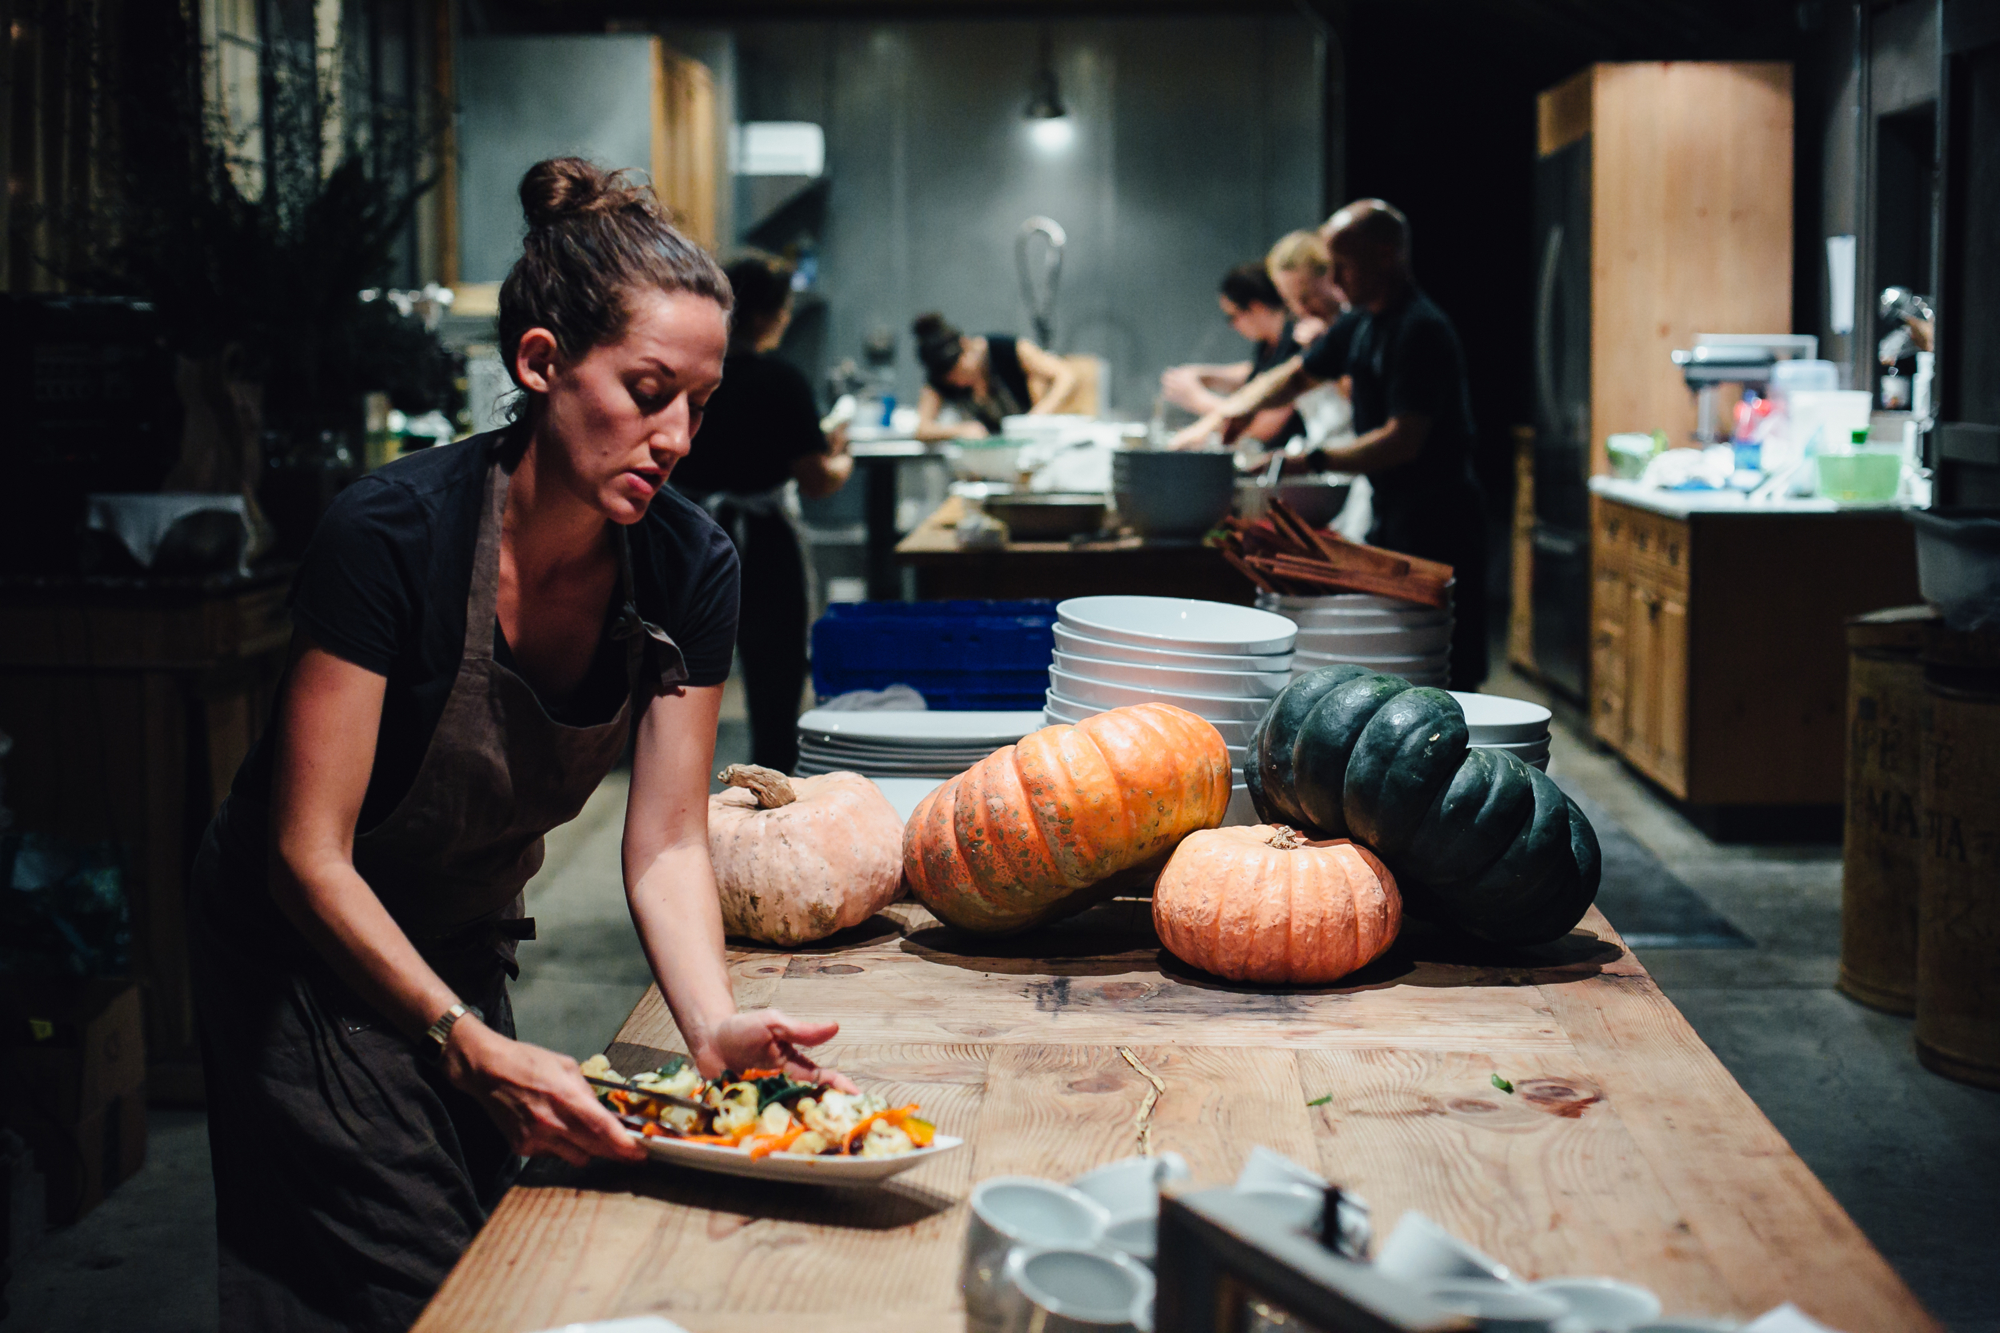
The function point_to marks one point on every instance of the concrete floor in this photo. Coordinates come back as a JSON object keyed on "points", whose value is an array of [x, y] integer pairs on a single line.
{"points": [[1914, 1158]]}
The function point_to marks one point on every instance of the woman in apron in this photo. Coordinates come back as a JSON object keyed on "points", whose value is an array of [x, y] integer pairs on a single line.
{"points": [[480, 629], [761, 434], [987, 378]]}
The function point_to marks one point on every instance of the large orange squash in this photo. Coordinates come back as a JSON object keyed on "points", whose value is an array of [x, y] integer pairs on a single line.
{"points": [[1263, 904], [1038, 829]]}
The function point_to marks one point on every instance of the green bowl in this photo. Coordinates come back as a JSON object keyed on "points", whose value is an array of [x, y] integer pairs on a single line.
{"points": [[1866, 476]]}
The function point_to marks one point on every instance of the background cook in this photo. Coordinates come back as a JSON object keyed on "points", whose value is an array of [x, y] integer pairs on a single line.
{"points": [[1412, 412], [1258, 314], [761, 431], [986, 377], [481, 629]]}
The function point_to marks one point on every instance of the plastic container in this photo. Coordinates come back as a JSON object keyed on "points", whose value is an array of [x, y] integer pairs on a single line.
{"points": [[1958, 565], [1864, 476], [959, 655]]}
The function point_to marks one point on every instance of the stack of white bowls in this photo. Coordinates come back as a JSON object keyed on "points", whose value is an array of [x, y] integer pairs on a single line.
{"points": [[1220, 662], [1404, 639], [1514, 725], [906, 752]]}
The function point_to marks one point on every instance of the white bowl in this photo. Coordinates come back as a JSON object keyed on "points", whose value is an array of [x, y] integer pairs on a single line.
{"points": [[1334, 601], [913, 727], [1605, 1304], [1235, 732], [1178, 624], [1493, 718], [1410, 641], [1374, 622], [1070, 641], [1219, 684], [1521, 749], [1107, 695], [1425, 663]]}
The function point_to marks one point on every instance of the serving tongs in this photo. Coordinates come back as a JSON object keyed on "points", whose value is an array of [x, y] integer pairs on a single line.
{"points": [[662, 1098]]}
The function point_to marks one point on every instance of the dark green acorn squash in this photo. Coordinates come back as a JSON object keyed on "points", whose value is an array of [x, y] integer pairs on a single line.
{"points": [[1474, 837]]}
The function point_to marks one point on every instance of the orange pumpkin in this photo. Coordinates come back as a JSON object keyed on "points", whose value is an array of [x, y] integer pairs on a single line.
{"points": [[1037, 830], [798, 858], [1263, 904]]}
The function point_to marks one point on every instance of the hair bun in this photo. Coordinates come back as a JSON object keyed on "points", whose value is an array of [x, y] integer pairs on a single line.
{"points": [[932, 326], [567, 187]]}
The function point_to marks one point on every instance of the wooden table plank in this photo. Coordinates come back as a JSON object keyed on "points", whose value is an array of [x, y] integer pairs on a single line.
{"points": [[1625, 1148]]}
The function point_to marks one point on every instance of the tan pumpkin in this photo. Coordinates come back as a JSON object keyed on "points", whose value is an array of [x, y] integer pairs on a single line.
{"points": [[1263, 904], [797, 859], [1038, 829]]}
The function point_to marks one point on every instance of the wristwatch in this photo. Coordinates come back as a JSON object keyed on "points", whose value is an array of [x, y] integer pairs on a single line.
{"points": [[440, 1031]]}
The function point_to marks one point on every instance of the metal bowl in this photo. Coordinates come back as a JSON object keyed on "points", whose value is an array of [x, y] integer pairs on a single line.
{"points": [[1316, 501], [1047, 518]]}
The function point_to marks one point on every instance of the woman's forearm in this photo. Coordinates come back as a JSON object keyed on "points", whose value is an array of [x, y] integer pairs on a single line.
{"points": [[347, 925], [679, 916]]}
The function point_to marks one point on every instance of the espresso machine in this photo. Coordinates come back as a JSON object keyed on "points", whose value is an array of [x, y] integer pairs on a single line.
{"points": [[1746, 359]]}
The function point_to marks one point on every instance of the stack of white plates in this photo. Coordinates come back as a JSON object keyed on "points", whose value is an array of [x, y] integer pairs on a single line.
{"points": [[905, 744], [1514, 725], [1402, 638], [1220, 662]]}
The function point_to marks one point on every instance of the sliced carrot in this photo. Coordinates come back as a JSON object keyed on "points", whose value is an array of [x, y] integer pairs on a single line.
{"points": [[770, 1143], [862, 1125], [921, 1132]]}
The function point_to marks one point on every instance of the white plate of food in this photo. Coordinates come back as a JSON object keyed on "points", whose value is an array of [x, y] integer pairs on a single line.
{"points": [[766, 1126]]}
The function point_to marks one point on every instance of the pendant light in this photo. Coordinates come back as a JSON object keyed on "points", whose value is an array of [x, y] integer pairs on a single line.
{"points": [[1049, 124]]}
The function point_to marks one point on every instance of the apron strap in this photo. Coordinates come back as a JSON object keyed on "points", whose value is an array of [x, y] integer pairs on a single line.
{"points": [[482, 604]]}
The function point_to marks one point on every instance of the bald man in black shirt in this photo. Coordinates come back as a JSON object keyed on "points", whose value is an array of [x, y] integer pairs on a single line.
{"points": [[1412, 413]]}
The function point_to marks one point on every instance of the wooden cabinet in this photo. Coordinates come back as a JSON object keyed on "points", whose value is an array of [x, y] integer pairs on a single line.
{"points": [[131, 703], [1717, 663]]}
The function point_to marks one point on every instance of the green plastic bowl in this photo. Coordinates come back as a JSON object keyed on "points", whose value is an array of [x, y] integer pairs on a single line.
{"points": [[1866, 476]]}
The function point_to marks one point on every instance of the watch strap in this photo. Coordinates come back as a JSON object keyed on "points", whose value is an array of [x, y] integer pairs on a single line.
{"points": [[440, 1031]]}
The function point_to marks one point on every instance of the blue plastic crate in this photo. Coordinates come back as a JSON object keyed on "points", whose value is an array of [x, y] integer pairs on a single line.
{"points": [[958, 655]]}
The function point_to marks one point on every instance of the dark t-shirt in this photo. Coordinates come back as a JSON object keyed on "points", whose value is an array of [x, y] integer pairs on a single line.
{"points": [[760, 420], [1407, 359], [384, 583], [1263, 358]]}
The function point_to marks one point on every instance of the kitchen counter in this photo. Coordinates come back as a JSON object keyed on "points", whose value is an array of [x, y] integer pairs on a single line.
{"points": [[1718, 659], [1685, 504], [1061, 569], [1625, 1148]]}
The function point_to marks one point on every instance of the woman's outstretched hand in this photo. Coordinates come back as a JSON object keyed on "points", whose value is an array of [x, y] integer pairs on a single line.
{"points": [[770, 1039], [536, 1097]]}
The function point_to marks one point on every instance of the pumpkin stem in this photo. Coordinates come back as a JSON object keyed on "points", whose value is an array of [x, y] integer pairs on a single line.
{"points": [[1285, 839], [773, 788]]}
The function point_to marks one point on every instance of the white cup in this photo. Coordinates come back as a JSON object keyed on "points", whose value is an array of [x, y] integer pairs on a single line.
{"points": [[1419, 1250], [1498, 1308], [1131, 1185], [1072, 1289], [1296, 1206], [1604, 1304], [1011, 1211], [1688, 1324], [1137, 1236]]}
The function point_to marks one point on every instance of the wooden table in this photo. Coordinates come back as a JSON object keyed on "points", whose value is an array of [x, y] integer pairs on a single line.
{"points": [[1625, 1148], [1057, 569]]}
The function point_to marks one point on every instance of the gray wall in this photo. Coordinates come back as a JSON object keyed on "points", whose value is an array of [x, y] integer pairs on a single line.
{"points": [[522, 99], [1198, 143]]}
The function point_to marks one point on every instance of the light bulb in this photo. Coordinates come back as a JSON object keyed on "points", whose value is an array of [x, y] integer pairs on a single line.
{"points": [[1052, 135]]}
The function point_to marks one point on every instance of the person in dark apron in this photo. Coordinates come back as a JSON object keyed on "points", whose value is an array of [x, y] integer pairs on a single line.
{"points": [[759, 439], [357, 900], [986, 377], [1412, 413]]}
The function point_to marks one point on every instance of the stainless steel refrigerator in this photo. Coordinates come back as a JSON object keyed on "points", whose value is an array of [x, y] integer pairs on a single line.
{"points": [[1562, 416]]}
